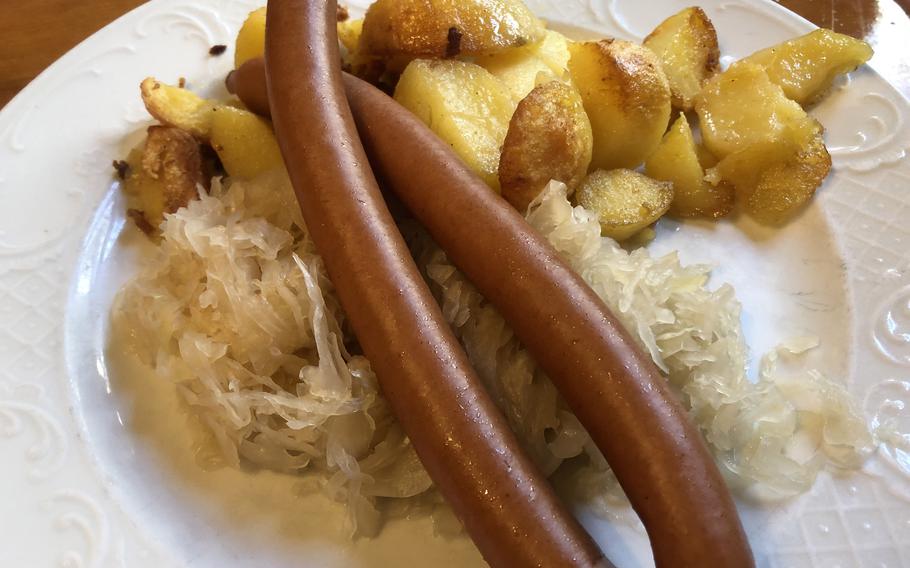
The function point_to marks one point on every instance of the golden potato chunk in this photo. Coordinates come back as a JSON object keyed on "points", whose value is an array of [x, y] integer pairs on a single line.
{"points": [[245, 143], [524, 68], [686, 45], [554, 51], [705, 157], [786, 186], [519, 70], [676, 160], [349, 32], [464, 105], [806, 66], [626, 96], [770, 149], [446, 28], [250, 42], [145, 195], [549, 138], [741, 107], [625, 201], [774, 179], [164, 176], [178, 107], [173, 157], [352, 60]]}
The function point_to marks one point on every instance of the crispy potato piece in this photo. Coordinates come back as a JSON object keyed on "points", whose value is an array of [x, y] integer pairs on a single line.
{"points": [[465, 105], [353, 60], [686, 45], [244, 142], [774, 179], [705, 157], [549, 138], [164, 176], [626, 96], [250, 42], [770, 149], [676, 160], [786, 186], [554, 51], [625, 201], [524, 68], [446, 28], [172, 156], [145, 195], [741, 107], [178, 107], [349, 32], [806, 66], [519, 72]]}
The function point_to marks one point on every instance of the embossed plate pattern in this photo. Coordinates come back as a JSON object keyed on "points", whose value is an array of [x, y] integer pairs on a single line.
{"points": [[95, 470]]}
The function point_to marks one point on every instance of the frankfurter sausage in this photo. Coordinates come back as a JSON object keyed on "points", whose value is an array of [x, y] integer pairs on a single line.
{"points": [[507, 507], [615, 390]]}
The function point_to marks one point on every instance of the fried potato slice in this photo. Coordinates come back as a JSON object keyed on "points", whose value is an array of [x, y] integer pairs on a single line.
{"points": [[164, 175], [554, 51], [806, 66], [769, 148], [446, 28], [741, 107], [523, 68], [676, 160], [250, 42], [549, 138], [172, 156], [245, 143], [686, 45], [145, 195], [625, 201], [178, 107], [349, 32], [773, 180], [464, 105], [626, 96]]}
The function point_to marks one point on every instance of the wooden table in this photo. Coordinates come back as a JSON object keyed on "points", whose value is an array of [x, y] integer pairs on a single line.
{"points": [[37, 32]]}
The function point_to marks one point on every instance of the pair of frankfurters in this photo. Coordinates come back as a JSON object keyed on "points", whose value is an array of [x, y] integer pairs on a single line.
{"points": [[507, 507]]}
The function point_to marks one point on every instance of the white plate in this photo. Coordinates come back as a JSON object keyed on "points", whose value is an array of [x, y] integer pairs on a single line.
{"points": [[96, 470]]}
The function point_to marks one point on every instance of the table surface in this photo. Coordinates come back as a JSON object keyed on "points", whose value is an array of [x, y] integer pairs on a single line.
{"points": [[37, 32]]}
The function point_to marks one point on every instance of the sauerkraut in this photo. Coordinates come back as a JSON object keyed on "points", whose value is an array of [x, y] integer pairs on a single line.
{"points": [[235, 308]]}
